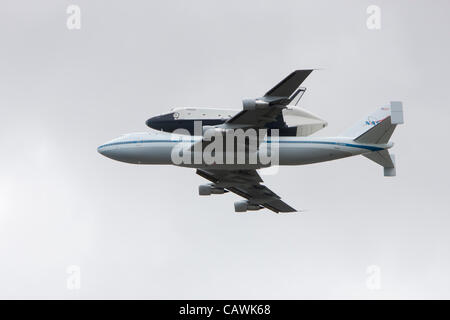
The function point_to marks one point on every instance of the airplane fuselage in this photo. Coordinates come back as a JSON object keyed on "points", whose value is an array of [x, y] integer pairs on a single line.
{"points": [[157, 148]]}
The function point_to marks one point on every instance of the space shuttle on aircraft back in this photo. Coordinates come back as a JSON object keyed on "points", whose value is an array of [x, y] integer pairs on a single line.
{"points": [[292, 121]]}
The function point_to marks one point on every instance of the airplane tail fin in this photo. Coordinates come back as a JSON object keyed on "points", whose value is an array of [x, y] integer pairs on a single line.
{"points": [[378, 128]]}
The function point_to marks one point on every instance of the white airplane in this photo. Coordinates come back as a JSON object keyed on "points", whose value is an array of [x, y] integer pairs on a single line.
{"points": [[275, 112]]}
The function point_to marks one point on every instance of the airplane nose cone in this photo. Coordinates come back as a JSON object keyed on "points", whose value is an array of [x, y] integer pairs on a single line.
{"points": [[103, 150], [115, 150], [110, 152], [109, 149]]}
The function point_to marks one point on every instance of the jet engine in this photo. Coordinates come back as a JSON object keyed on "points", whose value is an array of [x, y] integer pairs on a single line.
{"points": [[243, 206], [215, 131], [207, 190], [252, 104]]}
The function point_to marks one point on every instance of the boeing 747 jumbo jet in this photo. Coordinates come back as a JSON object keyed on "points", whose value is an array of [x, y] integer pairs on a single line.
{"points": [[227, 147]]}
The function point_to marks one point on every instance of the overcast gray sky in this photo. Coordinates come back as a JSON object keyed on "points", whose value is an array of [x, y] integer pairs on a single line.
{"points": [[142, 231]]}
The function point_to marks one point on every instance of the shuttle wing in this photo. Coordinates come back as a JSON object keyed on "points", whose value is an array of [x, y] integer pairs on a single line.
{"points": [[268, 108], [247, 184]]}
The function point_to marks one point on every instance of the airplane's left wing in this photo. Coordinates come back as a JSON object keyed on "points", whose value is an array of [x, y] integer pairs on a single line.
{"points": [[247, 184], [258, 112]]}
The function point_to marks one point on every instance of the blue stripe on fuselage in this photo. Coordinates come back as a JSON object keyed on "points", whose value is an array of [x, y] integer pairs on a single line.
{"points": [[359, 146]]}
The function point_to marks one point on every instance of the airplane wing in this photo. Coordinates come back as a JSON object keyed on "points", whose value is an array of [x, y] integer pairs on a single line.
{"points": [[247, 184], [268, 108]]}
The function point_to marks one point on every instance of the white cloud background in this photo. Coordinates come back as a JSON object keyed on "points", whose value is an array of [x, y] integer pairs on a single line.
{"points": [[141, 231]]}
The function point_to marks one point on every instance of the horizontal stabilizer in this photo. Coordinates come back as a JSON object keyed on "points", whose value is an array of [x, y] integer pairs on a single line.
{"points": [[386, 160], [382, 157]]}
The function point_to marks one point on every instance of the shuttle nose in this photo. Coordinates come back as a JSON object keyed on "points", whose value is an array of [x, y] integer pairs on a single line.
{"points": [[150, 122], [155, 123], [161, 122]]}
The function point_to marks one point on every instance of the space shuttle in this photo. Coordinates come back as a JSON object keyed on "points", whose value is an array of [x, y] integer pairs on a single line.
{"points": [[293, 121]]}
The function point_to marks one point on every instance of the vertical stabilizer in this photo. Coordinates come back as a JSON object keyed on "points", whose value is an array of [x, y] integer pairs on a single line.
{"points": [[378, 127]]}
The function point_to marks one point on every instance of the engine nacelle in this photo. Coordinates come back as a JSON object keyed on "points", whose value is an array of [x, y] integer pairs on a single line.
{"points": [[252, 104], [213, 131], [243, 206], [207, 190]]}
